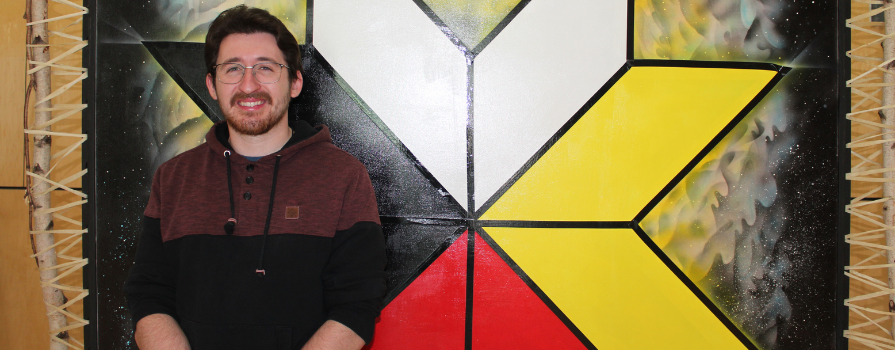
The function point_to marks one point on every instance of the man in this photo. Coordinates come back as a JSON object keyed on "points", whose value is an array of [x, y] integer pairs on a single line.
{"points": [[267, 236]]}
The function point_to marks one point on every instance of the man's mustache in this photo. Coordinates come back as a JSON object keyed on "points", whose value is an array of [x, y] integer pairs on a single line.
{"points": [[261, 95]]}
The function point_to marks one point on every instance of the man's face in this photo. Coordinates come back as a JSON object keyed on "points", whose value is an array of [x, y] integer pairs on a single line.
{"points": [[250, 107]]}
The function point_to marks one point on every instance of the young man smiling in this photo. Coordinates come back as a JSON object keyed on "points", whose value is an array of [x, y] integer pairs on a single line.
{"points": [[267, 236]]}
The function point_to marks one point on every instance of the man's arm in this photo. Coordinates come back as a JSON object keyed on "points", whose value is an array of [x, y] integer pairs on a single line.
{"points": [[334, 335], [161, 331], [150, 294], [354, 279]]}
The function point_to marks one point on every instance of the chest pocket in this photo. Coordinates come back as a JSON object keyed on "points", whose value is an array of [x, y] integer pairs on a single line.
{"points": [[304, 219]]}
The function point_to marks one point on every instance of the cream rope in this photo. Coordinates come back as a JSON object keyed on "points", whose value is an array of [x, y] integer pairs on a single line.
{"points": [[68, 261], [870, 314]]}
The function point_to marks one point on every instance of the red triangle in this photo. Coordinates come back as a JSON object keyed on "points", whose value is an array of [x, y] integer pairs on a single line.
{"points": [[431, 312], [506, 312]]}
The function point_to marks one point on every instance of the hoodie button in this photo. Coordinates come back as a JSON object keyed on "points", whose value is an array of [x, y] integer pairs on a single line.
{"points": [[247, 195], [250, 179], [250, 167]]}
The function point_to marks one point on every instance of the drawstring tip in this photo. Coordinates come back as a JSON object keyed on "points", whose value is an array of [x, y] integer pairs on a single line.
{"points": [[260, 273], [230, 226]]}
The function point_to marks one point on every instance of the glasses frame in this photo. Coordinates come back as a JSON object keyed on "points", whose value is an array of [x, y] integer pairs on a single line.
{"points": [[244, 68]]}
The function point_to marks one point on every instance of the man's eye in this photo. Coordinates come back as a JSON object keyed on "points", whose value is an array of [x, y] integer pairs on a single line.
{"points": [[233, 69], [264, 67]]}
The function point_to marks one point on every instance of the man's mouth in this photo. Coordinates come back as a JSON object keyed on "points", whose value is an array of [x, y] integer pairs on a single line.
{"points": [[250, 103]]}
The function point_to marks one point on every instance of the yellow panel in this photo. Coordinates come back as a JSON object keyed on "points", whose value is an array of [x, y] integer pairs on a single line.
{"points": [[471, 20], [614, 289], [630, 144]]}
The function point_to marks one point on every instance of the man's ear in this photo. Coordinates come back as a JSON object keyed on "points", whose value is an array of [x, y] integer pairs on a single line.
{"points": [[295, 89], [209, 82]]}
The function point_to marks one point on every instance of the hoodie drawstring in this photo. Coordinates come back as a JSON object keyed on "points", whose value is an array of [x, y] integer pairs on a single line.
{"points": [[231, 222], [273, 190], [230, 226]]}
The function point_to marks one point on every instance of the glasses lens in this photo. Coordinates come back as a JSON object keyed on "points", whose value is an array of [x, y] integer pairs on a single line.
{"points": [[230, 73], [267, 72]]}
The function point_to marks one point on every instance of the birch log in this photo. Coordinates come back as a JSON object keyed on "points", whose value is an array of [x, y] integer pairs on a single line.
{"points": [[887, 117], [43, 220]]}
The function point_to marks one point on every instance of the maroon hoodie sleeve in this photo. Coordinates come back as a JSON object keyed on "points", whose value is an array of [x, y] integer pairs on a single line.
{"points": [[150, 285], [354, 278]]}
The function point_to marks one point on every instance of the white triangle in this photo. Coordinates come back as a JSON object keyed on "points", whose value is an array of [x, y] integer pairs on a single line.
{"points": [[407, 72]]}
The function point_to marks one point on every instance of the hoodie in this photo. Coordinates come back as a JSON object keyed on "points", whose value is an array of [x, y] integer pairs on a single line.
{"points": [[304, 244]]}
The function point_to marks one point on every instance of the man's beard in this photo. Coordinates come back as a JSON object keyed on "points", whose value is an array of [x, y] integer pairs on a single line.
{"points": [[255, 126]]}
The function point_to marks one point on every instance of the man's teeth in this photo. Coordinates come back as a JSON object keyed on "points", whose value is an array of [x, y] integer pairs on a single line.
{"points": [[250, 104]]}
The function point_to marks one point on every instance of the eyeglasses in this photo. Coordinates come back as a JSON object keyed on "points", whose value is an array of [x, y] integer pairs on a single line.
{"points": [[264, 72]]}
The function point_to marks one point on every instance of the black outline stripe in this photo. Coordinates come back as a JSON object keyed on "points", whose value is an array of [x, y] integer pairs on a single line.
{"points": [[89, 161], [470, 195], [710, 64], [499, 28], [629, 51], [555, 224], [382, 127], [843, 135], [470, 136], [551, 141], [421, 220], [470, 282], [537, 290], [446, 29], [658, 252], [395, 292], [309, 22], [748, 108]]}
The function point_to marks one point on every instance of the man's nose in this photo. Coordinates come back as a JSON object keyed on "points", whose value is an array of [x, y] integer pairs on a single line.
{"points": [[249, 83]]}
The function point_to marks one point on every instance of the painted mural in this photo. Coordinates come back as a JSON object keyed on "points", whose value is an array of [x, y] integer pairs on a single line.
{"points": [[550, 174]]}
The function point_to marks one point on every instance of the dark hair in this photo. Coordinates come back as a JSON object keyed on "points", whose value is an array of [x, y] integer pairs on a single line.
{"points": [[249, 20]]}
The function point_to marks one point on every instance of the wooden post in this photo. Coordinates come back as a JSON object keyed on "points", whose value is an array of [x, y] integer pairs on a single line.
{"points": [[40, 197]]}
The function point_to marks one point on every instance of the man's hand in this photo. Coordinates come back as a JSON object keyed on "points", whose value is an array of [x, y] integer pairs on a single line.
{"points": [[160, 331], [333, 335]]}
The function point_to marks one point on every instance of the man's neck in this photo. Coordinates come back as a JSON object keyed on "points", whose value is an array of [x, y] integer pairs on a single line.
{"points": [[260, 145]]}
